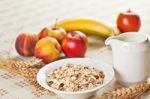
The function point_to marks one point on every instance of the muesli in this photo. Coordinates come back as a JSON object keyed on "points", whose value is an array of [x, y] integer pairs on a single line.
{"points": [[75, 77]]}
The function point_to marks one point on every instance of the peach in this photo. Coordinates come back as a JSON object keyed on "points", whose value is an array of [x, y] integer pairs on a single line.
{"points": [[25, 44], [48, 49]]}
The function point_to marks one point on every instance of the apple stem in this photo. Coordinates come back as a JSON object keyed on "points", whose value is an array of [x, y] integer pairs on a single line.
{"points": [[55, 24], [73, 35], [129, 10]]}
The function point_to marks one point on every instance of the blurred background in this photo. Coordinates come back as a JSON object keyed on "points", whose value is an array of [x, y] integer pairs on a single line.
{"points": [[16, 15]]}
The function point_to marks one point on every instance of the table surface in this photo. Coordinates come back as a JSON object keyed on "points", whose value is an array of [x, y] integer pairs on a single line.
{"points": [[32, 15]]}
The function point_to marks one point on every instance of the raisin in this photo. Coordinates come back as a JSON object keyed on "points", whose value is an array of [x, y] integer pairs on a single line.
{"points": [[85, 67], [61, 85], [97, 77], [50, 83]]}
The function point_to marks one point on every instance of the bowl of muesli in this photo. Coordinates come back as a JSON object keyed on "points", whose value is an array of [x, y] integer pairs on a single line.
{"points": [[75, 78]]}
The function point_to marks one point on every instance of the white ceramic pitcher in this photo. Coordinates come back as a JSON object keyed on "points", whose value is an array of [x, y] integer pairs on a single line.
{"points": [[131, 57]]}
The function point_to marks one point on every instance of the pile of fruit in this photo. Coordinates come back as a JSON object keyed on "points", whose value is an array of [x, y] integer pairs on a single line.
{"points": [[70, 37], [50, 42]]}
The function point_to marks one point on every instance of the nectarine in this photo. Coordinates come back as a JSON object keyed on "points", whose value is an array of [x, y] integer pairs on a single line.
{"points": [[48, 49], [25, 44]]}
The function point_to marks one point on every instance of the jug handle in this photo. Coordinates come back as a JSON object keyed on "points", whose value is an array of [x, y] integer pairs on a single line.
{"points": [[109, 40]]}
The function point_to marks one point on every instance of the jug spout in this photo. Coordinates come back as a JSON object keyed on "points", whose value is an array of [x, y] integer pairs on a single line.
{"points": [[110, 40]]}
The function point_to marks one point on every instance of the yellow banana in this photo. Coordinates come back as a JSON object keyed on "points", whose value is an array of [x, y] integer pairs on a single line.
{"points": [[87, 26]]}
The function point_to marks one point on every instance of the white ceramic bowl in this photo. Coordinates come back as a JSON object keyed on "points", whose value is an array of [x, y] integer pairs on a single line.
{"points": [[107, 69]]}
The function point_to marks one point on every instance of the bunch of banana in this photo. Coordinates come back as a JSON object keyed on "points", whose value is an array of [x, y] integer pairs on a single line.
{"points": [[87, 26]]}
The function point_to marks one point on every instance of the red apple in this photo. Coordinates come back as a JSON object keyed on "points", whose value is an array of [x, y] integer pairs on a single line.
{"points": [[75, 44], [25, 44], [55, 32], [128, 22]]}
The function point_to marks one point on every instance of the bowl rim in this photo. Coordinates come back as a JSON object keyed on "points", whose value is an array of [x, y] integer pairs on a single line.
{"points": [[77, 92]]}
